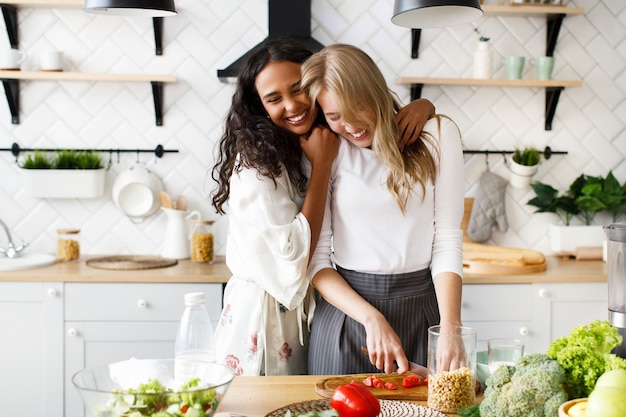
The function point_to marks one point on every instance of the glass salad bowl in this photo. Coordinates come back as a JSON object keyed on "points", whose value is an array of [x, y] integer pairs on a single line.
{"points": [[153, 387]]}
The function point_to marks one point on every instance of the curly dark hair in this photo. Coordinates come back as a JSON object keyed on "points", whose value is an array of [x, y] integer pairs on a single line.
{"points": [[250, 134]]}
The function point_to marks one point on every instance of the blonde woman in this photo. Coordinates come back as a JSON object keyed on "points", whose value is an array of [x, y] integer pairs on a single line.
{"points": [[393, 215]]}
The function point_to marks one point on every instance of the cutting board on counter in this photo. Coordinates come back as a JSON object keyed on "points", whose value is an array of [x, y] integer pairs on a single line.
{"points": [[484, 259], [326, 386]]}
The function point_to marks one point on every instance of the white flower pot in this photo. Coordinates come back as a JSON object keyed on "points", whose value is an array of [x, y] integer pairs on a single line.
{"points": [[64, 183], [568, 238], [483, 61], [521, 175]]}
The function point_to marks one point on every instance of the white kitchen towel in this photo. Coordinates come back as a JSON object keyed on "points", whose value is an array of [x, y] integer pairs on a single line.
{"points": [[488, 208]]}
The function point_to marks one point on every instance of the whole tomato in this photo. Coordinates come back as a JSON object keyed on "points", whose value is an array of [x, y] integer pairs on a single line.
{"points": [[354, 400]]}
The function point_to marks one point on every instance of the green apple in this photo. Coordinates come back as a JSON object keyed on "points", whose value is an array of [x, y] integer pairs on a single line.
{"points": [[606, 402], [615, 378]]}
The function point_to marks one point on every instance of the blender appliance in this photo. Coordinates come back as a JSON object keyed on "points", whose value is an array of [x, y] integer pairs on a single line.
{"points": [[616, 269]]}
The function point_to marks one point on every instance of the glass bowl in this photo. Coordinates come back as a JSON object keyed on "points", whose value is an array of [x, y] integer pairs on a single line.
{"points": [[149, 387]]}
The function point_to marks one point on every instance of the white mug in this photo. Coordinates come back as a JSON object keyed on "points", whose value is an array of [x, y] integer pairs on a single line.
{"points": [[10, 59], [52, 61]]}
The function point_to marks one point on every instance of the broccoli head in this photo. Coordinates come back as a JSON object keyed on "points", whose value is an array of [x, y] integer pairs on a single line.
{"points": [[586, 354], [532, 388]]}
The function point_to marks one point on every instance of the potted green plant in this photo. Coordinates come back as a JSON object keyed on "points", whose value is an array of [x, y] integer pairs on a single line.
{"points": [[523, 166], [586, 197], [63, 174]]}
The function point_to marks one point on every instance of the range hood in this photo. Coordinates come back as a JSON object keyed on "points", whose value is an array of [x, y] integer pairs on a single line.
{"points": [[286, 18]]}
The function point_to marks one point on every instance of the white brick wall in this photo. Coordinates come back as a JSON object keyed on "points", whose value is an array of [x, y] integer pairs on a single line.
{"points": [[209, 34]]}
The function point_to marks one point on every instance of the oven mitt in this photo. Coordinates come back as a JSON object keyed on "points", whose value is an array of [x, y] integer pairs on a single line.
{"points": [[488, 208]]}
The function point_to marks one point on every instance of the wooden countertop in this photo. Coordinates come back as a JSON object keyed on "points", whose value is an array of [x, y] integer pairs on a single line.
{"points": [[558, 271], [256, 396], [78, 271]]}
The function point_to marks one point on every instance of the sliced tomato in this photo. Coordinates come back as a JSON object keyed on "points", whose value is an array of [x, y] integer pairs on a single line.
{"points": [[411, 381], [368, 382], [390, 385], [184, 408], [378, 383]]}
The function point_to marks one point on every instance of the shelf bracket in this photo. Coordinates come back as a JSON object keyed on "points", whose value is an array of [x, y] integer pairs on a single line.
{"points": [[552, 99], [157, 23], [157, 94], [12, 91], [416, 91], [10, 20], [415, 42], [552, 32]]}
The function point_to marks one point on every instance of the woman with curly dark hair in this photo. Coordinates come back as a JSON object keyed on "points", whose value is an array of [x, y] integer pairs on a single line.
{"points": [[275, 200]]}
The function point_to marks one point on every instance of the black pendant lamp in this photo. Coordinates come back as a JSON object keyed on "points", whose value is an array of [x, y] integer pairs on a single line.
{"points": [[153, 8], [420, 14]]}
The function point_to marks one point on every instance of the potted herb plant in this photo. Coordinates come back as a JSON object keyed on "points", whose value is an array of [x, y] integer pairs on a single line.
{"points": [[585, 198], [523, 166], [63, 174]]}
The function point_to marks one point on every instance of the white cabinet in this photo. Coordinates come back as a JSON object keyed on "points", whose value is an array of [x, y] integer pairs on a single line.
{"points": [[31, 349], [535, 313], [558, 308], [498, 311], [107, 322]]}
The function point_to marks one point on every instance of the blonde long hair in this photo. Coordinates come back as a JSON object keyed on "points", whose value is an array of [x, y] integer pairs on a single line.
{"points": [[355, 80]]}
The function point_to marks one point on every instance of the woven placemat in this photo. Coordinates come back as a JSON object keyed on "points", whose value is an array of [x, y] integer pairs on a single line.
{"points": [[388, 408], [302, 407], [130, 262]]}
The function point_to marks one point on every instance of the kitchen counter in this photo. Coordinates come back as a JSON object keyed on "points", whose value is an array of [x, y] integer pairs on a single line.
{"points": [[558, 271], [78, 271], [256, 396]]}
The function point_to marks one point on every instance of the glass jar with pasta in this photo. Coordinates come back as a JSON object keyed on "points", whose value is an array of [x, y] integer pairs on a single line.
{"points": [[202, 241], [68, 244]]}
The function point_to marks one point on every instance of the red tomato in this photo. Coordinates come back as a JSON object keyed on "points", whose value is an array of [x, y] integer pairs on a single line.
{"points": [[354, 400], [410, 381], [184, 408], [368, 382], [390, 385]]}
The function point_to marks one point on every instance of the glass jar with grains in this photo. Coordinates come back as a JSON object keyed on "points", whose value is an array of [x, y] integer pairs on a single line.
{"points": [[68, 246], [202, 241], [451, 368]]}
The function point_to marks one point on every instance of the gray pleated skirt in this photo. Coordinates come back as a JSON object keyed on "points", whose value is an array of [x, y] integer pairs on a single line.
{"points": [[409, 303]]}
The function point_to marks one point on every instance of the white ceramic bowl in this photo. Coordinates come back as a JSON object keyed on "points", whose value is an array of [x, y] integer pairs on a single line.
{"points": [[136, 192]]}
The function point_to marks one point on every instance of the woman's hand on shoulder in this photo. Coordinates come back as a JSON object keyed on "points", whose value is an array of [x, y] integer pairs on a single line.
{"points": [[320, 146], [412, 118]]}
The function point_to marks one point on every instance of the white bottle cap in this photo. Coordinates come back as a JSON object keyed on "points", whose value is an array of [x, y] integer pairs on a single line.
{"points": [[194, 298]]}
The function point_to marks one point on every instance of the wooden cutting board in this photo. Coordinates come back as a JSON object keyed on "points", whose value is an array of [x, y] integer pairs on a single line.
{"points": [[484, 259], [326, 386]]}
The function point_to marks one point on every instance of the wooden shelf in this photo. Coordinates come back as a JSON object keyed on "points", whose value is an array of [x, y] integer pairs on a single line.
{"points": [[46, 4], [491, 82], [83, 76], [553, 88], [11, 79], [529, 10], [9, 13]]}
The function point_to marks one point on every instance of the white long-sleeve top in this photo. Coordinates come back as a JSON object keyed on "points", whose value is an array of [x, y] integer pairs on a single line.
{"points": [[365, 230]]}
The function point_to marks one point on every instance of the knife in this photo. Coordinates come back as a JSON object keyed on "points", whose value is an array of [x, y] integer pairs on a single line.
{"points": [[413, 367]]}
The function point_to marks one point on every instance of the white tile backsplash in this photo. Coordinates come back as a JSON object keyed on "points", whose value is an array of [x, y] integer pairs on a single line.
{"points": [[207, 35]]}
